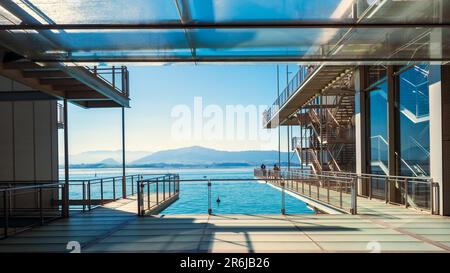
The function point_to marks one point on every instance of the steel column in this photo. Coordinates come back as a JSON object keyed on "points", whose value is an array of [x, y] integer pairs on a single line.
{"points": [[288, 149], [279, 128], [283, 205], [89, 194], [66, 163], [124, 180], [209, 197], [84, 195], [406, 193], [114, 188]]}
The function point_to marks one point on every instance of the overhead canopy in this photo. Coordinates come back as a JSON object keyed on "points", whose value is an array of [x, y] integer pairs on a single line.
{"points": [[336, 31]]}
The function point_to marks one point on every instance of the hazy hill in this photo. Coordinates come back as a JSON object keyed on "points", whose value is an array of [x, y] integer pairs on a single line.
{"points": [[200, 155], [94, 157]]}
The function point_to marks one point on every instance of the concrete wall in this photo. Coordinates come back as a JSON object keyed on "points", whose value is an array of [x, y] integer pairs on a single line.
{"points": [[28, 138]]}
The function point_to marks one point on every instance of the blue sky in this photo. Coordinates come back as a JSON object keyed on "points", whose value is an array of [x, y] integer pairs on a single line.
{"points": [[156, 90]]}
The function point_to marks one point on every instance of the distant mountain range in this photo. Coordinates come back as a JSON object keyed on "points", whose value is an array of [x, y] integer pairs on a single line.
{"points": [[96, 157], [197, 156], [200, 155]]}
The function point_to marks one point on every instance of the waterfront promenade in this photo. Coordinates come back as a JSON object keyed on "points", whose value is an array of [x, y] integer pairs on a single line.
{"points": [[116, 228]]}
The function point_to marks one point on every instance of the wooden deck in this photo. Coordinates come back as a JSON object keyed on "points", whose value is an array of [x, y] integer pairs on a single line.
{"points": [[116, 228]]}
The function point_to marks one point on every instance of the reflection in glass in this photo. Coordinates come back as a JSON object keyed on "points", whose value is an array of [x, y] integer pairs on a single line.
{"points": [[376, 73], [378, 140], [379, 129], [414, 122]]}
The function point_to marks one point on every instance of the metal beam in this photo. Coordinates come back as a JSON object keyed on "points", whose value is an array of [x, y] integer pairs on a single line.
{"points": [[300, 24], [48, 74], [99, 104], [84, 95], [60, 81], [76, 87], [25, 96], [335, 60], [11, 71]]}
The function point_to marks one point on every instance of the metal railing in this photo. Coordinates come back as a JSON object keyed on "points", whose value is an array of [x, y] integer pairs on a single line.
{"points": [[417, 192], [117, 77], [90, 193], [420, 193], [154, 194], [299, 78], [23, 206], [338, 192], [148, 203]]}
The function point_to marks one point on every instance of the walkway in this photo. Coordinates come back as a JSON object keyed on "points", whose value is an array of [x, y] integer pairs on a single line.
{"points": [[116, 228], [365, 206]]}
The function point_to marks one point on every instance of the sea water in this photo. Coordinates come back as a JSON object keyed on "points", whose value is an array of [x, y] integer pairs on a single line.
{"points": [[243, 197]]}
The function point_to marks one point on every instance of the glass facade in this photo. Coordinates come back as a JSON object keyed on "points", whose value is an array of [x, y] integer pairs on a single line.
{"points": [[412, 124], [414, 121], [379, 129]]}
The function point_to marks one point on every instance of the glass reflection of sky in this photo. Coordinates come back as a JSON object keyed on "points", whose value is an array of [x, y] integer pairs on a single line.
{"points": [[239, 10], [414, 121], [379, 127]]}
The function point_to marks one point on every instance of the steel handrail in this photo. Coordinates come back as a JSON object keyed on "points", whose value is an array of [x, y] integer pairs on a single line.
{"points": [[37, 211], [322, 183], [408, 198], [32, 187], [373, 175], [122, 73], [299, 78], [166, 180], [399, 177]]}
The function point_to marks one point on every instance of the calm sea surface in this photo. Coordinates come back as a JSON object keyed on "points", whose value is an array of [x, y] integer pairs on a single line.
{"points": [[242, 197]]}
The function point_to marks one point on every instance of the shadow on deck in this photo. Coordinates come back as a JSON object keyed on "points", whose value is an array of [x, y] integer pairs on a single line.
{"points": [[116, 228]]}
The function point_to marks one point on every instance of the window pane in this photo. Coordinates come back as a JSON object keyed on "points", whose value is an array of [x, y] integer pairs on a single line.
{"points": [[376, 73], [414, 122], [379, 130]]}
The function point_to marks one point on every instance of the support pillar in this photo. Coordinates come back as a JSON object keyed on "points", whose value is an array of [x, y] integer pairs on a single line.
{"points": [[321, 131], [124, 180], [279, 128], [301, 147], [65, 209], [439, 98], [288, 147], [361, 125], [393, 134]]}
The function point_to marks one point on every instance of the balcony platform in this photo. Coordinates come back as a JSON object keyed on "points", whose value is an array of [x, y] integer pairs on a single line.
{"points": [[116, 228], [319, 80], [78, 84]]}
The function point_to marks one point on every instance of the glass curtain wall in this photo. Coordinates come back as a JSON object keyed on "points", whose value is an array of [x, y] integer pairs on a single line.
{"points": [[378, 127], [378, 121], [414, 121]]}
